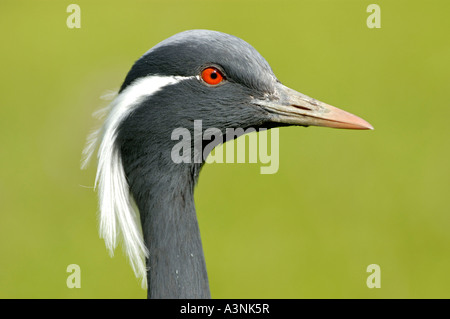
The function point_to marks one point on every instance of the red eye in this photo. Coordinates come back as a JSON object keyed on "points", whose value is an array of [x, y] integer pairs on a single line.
{"points": [[212, 76]]}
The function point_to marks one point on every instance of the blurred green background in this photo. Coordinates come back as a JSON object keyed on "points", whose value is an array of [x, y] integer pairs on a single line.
{"points": [[340, 201]]}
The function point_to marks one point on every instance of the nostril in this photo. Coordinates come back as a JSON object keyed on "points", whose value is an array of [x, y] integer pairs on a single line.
{"points": [[301, 107]]}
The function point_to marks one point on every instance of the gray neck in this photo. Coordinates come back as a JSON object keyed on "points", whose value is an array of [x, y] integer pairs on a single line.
{"points": [[176, 264], [164, 193]]}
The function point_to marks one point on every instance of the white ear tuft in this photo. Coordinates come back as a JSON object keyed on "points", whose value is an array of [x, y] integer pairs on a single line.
{"points": [[119, 216]]}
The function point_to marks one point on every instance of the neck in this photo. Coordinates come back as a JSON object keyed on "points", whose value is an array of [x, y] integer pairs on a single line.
{"points": [[176, 264]]}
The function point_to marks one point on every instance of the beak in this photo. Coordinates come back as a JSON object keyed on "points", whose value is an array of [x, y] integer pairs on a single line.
{"points": [[291, 107]]}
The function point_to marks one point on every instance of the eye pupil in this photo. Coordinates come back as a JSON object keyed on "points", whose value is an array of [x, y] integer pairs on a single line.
{"points": [[214, 75]]}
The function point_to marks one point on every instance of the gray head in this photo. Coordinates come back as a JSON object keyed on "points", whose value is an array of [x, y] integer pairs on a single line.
{"points": [[194, 75], [250, 95], [188, 52]]}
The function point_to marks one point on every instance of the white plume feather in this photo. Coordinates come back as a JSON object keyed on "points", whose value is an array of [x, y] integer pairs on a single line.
{"points": [[118, 214]]}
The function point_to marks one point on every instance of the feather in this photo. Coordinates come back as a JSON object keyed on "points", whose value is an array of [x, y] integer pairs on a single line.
{"points": [[119, 216]]}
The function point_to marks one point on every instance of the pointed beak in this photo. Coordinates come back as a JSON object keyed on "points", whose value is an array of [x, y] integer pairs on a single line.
{"points": [[291, 107]]}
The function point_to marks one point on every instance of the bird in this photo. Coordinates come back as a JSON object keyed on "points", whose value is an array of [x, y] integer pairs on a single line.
{"points": [[146, 200]]}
